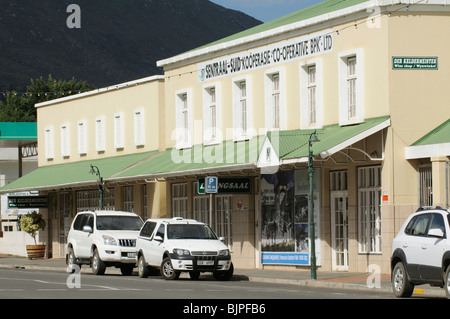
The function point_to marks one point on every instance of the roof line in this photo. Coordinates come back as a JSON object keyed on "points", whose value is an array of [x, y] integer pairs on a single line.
{"points": [[101, 90], [220, 45]]}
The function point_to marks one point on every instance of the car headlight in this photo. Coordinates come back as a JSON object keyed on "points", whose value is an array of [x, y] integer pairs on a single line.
{"points": [[224, 252], [108, 240], [181, 252]]}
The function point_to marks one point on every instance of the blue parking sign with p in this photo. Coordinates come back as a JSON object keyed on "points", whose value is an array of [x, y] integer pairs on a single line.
{"points": [[211, 185]]}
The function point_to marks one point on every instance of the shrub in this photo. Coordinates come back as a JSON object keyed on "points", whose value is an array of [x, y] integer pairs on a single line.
{"points": [[32, 223]]}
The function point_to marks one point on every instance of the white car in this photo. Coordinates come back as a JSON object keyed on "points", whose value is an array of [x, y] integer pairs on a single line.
{"points": [[181, 245], [102, 239], [421, 252]]}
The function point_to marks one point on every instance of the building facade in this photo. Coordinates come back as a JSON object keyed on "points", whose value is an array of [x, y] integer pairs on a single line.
{"points": [[366, 77]]}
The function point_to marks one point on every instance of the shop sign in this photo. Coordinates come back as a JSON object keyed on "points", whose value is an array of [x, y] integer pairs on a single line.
{"points": [[267, 56], [227, 185], [27, 201], [414, 63]]}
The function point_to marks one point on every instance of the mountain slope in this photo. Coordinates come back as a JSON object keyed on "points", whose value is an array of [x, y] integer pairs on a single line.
{"points": [[119, 40]]}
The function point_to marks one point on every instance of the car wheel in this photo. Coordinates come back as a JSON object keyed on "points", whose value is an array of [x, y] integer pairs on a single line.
{"points": [[400, 283], [447, 282], [167, 270], [71, 261], [98, 266], [142, 267], [224, 275]]}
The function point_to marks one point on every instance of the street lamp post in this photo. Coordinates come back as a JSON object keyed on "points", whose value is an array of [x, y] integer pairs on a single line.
{"points": [[312, 236], [96, 171]]}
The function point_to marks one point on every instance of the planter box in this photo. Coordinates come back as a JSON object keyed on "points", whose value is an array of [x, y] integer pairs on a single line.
{"points": [[35, 251]]}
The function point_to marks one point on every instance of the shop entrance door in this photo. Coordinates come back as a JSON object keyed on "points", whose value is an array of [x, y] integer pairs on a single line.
{"points": [[222, 220], [339, 230]]}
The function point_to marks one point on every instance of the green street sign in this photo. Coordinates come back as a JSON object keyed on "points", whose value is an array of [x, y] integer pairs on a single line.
{"points": [[414, 63], [201, 186]]}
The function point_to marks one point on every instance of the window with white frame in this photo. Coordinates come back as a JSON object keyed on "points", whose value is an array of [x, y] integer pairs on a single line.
{"points": [[351, 88], [179, 200], [65, 140], [312, 92], [139, 127], [183, 104], [212, 114], [100, 134], [82, 136], [275, 100], [243, 106], [275, 109], [369, 209], [49, 146], [311, 101], [242, 109], [119, 130]]}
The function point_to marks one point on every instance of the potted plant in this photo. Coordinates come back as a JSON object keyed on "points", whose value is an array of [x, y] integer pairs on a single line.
{"points": [[31, 223]]}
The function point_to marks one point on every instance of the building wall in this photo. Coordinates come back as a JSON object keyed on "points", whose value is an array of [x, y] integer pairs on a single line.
{"points": [[126, 100]]}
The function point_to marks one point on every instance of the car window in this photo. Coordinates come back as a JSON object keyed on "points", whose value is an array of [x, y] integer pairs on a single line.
{"points": [[437, 222], [89, 221], [77, 224], [189, 231], [160, 231], [147, 229], [418, 225], [118, 223]]}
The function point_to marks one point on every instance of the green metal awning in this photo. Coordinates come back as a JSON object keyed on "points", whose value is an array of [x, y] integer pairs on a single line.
{"points": [[72, 175], [434, 143], [289, 147], [228, 156], [198, 160]]}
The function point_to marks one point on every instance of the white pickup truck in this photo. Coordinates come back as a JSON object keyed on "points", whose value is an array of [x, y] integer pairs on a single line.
{"points": [[102, 239], [181, 245]]}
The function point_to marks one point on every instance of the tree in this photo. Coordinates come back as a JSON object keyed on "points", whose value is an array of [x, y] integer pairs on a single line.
{"points": [[20, 107], [31, 223]]}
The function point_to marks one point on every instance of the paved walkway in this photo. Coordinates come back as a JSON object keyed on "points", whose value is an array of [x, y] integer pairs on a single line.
{"points": [[337, 280]]}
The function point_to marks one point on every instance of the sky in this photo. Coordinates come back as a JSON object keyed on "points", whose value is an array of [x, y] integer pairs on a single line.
{"points": [[266, 10]]}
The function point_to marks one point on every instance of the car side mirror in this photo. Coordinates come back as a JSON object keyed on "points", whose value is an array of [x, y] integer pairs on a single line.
{"points": [[436, 232], [222, 239], [87, 229], [158, 238]]}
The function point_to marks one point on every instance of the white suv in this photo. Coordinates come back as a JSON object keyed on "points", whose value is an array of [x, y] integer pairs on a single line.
{"points": [[421, 252], [181, 245], [102, 239]]}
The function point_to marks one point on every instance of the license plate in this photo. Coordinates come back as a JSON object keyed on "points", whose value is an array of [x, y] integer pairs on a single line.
{"points": [[205, 262], [131, 255]]}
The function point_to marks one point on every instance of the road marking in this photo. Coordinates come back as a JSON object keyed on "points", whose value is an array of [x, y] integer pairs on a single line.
{"points": [[418, 291]]}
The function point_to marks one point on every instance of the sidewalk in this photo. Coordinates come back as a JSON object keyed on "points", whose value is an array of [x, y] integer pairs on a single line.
{"points": [[336, 280]]}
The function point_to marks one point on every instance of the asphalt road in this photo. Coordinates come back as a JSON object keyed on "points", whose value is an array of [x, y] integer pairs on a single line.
{"points": [[17, 284]]}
